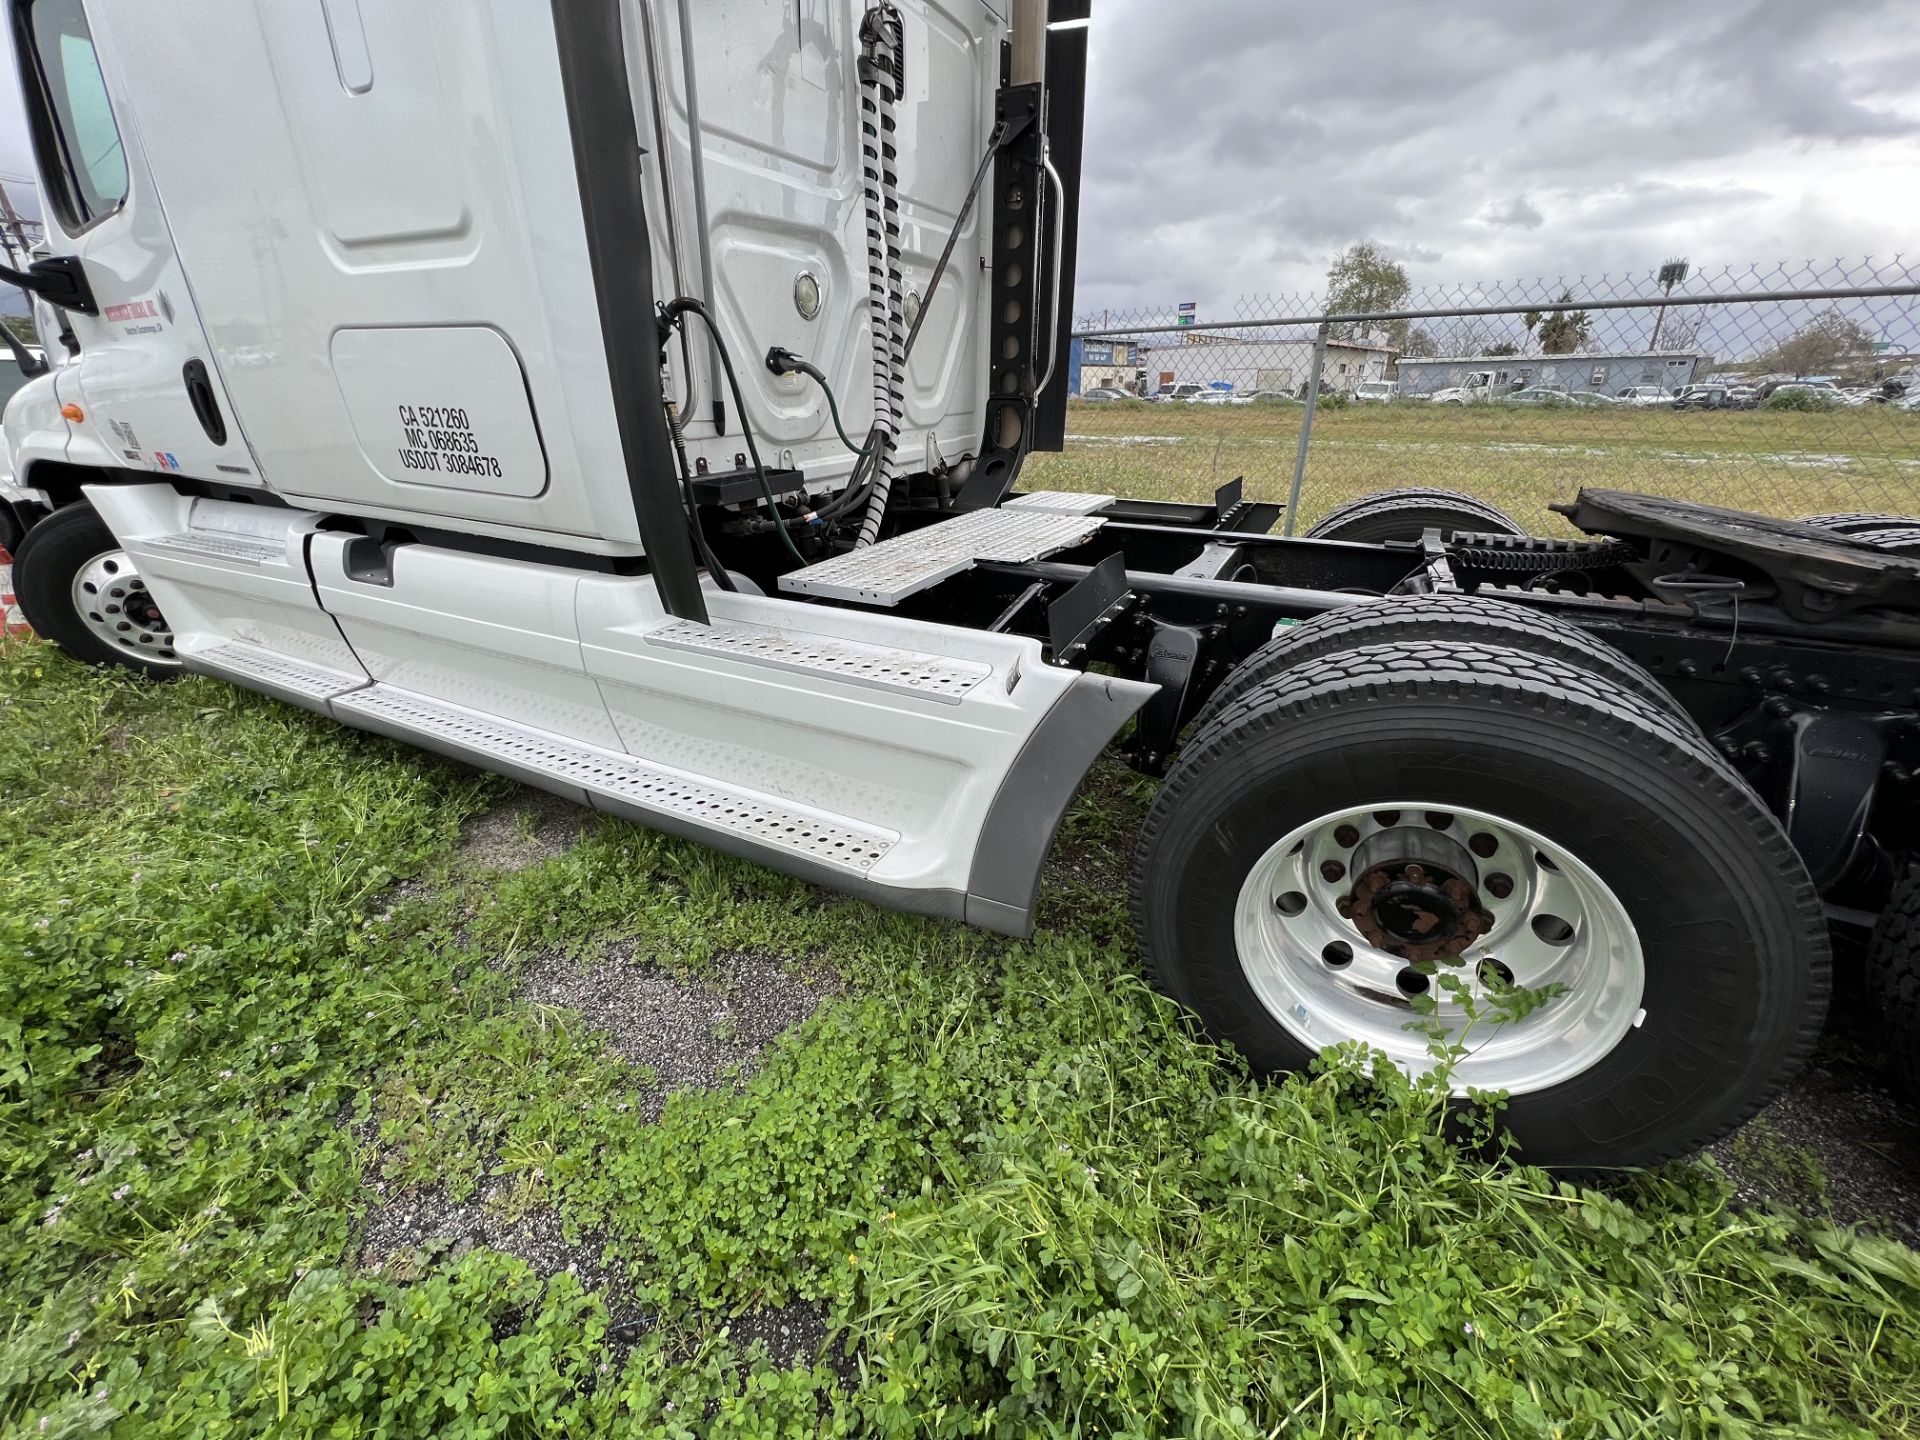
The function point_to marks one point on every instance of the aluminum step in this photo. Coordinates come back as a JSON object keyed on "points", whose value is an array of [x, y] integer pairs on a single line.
{"points": [[220, 545], [1060, 502], [669, 799], [908, 672], [887, 573], [299, 682]]}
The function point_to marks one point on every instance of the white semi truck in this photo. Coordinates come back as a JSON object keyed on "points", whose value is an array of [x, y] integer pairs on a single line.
{"points": [[631, 397]]}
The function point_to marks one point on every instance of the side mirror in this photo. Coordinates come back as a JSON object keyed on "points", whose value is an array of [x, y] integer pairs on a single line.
{"points": [[22, 357]]}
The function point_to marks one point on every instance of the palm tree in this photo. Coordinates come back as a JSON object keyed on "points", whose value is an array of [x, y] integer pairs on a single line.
{"points": [[1671, 274]]}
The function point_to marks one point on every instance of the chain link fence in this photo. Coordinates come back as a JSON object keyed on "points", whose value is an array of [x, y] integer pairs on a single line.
{"points": [[1789, 390]]}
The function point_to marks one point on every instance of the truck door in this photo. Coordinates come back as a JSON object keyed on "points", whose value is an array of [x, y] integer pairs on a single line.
{"points": [[150, 397], [380, 211]]}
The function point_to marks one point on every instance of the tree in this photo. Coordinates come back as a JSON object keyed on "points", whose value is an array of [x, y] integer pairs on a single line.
{"points": [[1564, 331], [1505, 347], [1819, 345], [1671, 274], [1364, 280], [1420, 343]]}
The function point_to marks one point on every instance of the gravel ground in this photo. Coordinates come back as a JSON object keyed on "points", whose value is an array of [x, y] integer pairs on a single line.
{"points": [[693, 1034], [1838, 1142], [419, 1226], [531, 827]]}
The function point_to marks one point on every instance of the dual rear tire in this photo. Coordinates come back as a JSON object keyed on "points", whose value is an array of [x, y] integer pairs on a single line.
{"points": [[1378, 842]]}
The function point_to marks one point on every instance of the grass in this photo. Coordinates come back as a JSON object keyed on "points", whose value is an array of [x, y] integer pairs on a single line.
{"points": [[1521, 458], [245, 976]]}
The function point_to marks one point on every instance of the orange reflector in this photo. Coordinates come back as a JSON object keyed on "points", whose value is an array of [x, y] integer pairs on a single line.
{"points": [[72, 412]]}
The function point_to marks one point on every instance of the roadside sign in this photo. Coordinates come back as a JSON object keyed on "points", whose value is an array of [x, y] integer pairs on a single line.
{"points": [[1187, 309]]}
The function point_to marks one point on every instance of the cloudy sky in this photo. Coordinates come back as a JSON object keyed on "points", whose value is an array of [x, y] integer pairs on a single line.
{"points": [[1235, 146]]}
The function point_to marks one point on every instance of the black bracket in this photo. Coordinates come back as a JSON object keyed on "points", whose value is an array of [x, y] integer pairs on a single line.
{"points": [[1173, 655], [1227, 499], [1836, 763], [1076, 619], [59, 280], [1013, 298]]}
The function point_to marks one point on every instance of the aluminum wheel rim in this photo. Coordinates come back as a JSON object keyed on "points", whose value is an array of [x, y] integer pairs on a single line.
{"points": [[1559, 925], [113, 602]]}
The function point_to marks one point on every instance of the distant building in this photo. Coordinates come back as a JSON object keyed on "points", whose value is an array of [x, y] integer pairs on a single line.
{"points": [[1607, 373], [1108, 362], [1247, 363]]}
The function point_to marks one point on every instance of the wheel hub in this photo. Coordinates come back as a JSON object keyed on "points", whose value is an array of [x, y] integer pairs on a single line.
{"points": [[1393, 924], [1413, 894], [115, 604]]}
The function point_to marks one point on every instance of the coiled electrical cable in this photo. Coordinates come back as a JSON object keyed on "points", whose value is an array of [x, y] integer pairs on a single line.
{"points": [[882, 62]]}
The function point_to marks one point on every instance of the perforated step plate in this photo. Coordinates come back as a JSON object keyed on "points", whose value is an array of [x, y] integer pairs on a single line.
{"points": [[700, 806], [220, 545], [1060, 502], [933, 677], [887, 573], [298, 681]]}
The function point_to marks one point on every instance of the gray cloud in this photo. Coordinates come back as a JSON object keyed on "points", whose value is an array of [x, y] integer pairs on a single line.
{"points": [[1235, 148], [1517, 211]]}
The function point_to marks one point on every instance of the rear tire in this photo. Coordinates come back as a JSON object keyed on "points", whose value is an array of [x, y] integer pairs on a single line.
{"points": [[80, 590], [1893, 979], [1733, 966], [1408, 513], [1436, 621]]}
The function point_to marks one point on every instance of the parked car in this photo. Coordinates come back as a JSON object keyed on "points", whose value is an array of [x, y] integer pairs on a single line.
{"points": [[1701, 397], [1269, 397], [1461, 395], [1647, 395], [1592, 398], [1801, 395], [1108, 392], [1178, 392], [1539, 395], [1374, 392], [1770, 388]]}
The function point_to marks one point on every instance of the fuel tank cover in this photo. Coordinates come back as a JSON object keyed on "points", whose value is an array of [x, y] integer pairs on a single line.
{"points": [[442, 407]]}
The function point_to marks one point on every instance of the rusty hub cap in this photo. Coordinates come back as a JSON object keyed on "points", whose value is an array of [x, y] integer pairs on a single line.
{"points": [[1413, 894]]}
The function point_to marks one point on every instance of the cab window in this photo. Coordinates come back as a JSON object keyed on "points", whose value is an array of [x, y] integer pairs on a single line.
{"points": [[79, 143]]}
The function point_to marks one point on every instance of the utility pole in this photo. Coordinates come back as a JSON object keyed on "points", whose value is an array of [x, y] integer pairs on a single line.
{"points": [[16, 231]]}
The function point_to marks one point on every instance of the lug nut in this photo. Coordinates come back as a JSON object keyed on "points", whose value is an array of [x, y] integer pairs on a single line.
{"points": [[1416, 874], [1346, 837], [1332, 871], [1500, 886]]}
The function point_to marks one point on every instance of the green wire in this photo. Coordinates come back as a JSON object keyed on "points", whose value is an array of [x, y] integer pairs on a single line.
{"points": [[746, 429], [833, 408]]}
